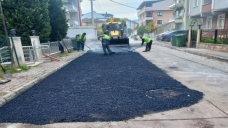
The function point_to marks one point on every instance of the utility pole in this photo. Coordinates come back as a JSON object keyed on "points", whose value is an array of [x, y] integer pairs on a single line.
{"points": [[92, 12]]}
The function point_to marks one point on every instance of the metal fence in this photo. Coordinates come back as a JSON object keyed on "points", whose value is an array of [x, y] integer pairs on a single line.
{"points": [[5, 54], [29, 54], [49, 48], [216, 36], [54, 46]]}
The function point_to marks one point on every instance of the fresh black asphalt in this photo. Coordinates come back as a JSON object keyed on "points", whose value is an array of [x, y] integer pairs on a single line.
{"points": [[95, 87]]}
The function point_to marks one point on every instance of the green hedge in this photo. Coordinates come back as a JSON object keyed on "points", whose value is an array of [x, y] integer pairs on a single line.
{"points": [[220, 40]]}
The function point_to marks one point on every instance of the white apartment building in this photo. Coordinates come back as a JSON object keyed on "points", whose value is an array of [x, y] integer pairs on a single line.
{"points": [[73, 9]]}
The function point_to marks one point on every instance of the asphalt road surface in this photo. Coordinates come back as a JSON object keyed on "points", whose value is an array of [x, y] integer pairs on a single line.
{"points": [[95, 87]]}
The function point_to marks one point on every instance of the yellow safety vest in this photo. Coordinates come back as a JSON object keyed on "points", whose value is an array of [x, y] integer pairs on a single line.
{"points": [[146, 39], [106, 37], [80, 38]]}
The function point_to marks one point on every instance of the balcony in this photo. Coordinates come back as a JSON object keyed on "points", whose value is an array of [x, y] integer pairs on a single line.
{"points": [[71, 8], [143, 10], [148, 18], [178, 19], [219, 6], [206, 9], [176, 5], [73, 22]]}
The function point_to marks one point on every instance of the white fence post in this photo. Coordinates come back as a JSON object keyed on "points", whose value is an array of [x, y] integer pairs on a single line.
{"points": [[35, 41], [19, 50]]}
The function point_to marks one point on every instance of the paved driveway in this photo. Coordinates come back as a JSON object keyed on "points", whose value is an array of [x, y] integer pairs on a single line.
{"points": [[95, 87]]}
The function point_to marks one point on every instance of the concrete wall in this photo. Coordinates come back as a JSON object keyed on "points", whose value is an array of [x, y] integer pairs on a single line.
{"points": [[195, 10], [91, 32], [220, 4], [215, 47]]}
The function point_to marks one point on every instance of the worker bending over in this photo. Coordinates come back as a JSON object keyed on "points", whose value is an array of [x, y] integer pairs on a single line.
{"points": [[105, 43], [148, 42], [81, 39]]}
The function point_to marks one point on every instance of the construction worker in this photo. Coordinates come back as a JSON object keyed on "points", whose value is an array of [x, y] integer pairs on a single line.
{"points": [[148, 42], [105, 43], [81, 38]]}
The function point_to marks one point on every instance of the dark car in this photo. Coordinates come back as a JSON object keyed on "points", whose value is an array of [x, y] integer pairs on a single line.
{"points": [[168, 36], [160, 36]]}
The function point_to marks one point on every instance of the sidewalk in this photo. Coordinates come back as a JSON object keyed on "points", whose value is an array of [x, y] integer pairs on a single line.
{"points": [[22, 81], [221, 56]]}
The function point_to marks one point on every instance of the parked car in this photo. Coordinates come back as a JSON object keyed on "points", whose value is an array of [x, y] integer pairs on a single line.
{"points": [[159, 36], [168, 36]]}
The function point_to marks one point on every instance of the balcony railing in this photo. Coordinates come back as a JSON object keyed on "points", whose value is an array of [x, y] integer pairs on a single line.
{"points": [[71, 8], [176, 5]]}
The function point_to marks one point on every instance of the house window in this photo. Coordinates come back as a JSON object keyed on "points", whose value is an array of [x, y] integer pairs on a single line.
{"points": [[149, 14], [159, 21], [221, 21], [148, 21], [209, 22], [159, 13], [195, 3]]}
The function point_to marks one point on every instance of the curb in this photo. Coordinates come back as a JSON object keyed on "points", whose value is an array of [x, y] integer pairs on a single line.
{"points": [[13, 94], [215, 57]]}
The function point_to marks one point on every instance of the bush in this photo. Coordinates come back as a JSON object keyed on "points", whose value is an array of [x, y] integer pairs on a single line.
{"points": [[207, 40], [221, 40]]}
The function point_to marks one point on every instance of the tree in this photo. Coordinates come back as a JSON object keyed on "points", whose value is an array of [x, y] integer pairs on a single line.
{"points": [[141, 30], [129, 31], [150, 27], [27, 15], [58, 20]]}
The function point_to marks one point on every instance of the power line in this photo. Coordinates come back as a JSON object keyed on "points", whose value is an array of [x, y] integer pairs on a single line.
{"points": [[123, 4]]}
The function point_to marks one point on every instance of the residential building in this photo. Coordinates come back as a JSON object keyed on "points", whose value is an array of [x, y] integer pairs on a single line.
{"points": [[95, 16], [181, 17], [157, 11], [131, 25], [213, 12], [107, 15], [97, 22], [73, 9], [99, 19]]}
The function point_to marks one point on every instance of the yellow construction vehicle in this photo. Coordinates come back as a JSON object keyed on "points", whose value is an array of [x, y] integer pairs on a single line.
{"points": [[116, 32]]}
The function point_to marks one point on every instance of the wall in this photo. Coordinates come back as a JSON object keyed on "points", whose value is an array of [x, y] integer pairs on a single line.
{"points": [[226, 21], [91, 32], [215, 47], [195, 10], [166, 16], [220, 4]]}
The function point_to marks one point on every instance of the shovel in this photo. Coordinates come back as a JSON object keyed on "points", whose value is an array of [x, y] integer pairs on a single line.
{"points": [[7, 76]]}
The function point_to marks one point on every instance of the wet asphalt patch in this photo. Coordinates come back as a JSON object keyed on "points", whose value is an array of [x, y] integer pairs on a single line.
{"points": [[95, 87]]}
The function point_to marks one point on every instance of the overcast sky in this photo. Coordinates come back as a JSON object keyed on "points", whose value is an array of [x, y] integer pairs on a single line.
{"points": [[119, 11]]}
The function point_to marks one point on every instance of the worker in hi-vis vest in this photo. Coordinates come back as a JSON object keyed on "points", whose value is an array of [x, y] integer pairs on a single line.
{"points": [[81, 39], [105, 43], [148, 42]]}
